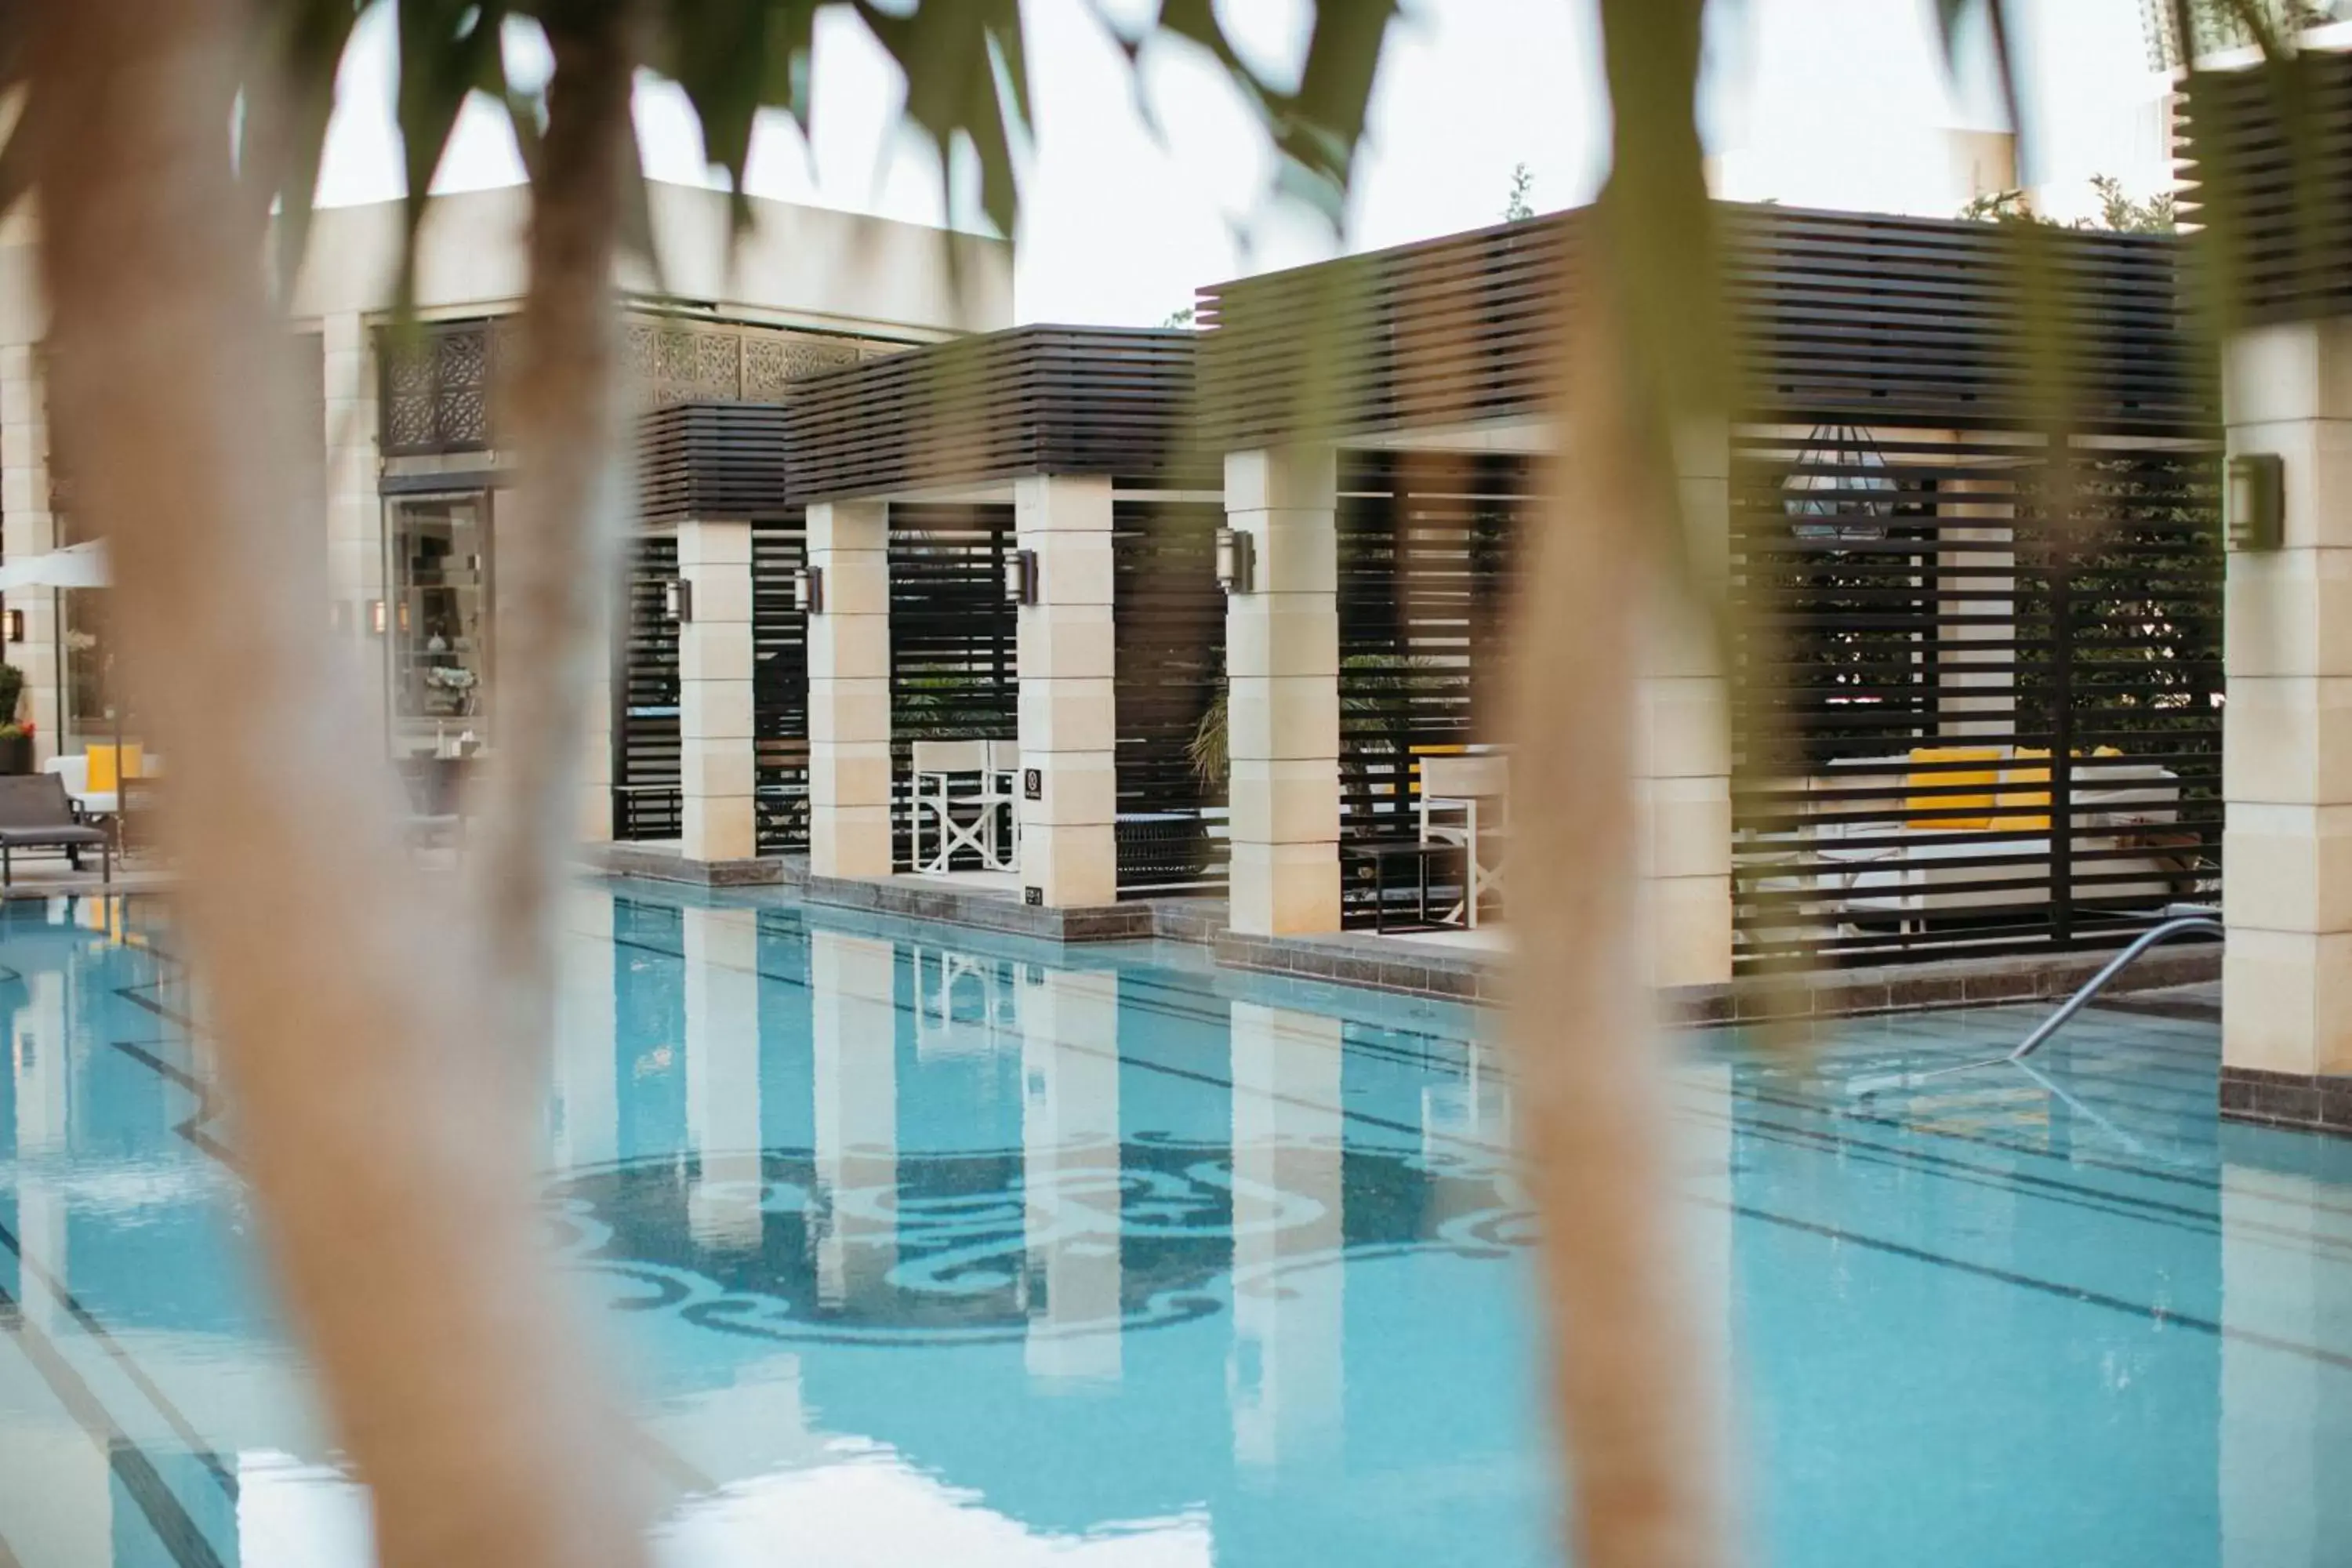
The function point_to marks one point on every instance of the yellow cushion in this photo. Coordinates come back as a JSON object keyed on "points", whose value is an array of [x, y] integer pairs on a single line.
{"points": [[105, 777], [2013, 812], [1958, 810]]}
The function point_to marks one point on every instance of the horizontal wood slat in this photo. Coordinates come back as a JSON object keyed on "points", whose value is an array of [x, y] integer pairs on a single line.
{"points": [[1033, 400], [1881, 319], [2265, 168], [711, 461], [1923, 622]]}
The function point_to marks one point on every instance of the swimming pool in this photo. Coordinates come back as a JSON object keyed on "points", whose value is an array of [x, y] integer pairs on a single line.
{"points": [[917, 1244]]}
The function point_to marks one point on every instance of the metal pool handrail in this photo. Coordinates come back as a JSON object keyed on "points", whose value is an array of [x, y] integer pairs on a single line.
{"points": [[2165, 931]]}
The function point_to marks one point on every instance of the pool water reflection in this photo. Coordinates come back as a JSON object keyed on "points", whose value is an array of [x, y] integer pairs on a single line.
{"points": [[920, 1245]]}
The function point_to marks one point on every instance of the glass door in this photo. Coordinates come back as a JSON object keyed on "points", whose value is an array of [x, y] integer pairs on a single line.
{"points": [[437, 635]]}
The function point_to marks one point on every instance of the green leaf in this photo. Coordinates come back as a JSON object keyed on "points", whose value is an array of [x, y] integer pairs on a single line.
{"points": [[448, 49], [965, 68], [300, 51]]}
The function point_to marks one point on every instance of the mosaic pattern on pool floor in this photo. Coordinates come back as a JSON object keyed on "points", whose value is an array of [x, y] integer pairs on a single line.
{"points": [[919, 1247]]}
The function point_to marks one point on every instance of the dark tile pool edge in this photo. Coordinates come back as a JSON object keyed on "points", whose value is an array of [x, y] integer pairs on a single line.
{"points": [[662, 864], [1365, 961], [984, 911], [1348, 958], [2305, 1103]]}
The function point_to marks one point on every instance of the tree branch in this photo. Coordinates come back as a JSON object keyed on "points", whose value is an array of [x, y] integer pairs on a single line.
{"points": [[558, 545]]}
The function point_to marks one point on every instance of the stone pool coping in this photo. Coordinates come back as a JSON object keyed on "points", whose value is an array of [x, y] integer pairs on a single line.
{"points": [[1454, 975]]}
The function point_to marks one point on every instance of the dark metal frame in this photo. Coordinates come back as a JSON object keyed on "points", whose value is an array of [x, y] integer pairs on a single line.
{"points": [[648, 790], [2080, 586]]}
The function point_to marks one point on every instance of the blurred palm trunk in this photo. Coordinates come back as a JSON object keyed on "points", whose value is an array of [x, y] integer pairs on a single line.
{"points": [[360, 1031], [1594, 1118], [559, 545]]}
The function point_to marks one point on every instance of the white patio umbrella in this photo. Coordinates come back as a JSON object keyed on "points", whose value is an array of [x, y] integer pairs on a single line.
{"points": [[76, 566]]}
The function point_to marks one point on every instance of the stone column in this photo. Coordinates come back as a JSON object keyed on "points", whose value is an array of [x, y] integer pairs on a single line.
{"points": [[1069, 719], [595, 824], [714, 667], [1070, 1165], [354, 522], [1682, 742], [722, 1074], [849, 690], [28, 527], [1282, 706], [2288, 733]]}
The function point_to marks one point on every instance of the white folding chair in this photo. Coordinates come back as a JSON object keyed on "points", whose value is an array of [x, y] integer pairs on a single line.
{"points": [[950, 786], [1478, 788]]}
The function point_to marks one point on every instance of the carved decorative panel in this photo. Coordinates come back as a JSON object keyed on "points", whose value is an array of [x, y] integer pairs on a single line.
{"points": [[437, 389]]}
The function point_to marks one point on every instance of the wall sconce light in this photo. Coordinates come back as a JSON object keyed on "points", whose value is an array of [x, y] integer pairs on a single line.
{"points": [[1021, 577], [15, 626], [808, 590], [1236, 561], [678, 600], [2254, 500], [375, 617]]}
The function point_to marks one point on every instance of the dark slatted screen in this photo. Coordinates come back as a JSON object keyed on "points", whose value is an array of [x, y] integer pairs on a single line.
{"points": [[646, 801], [1944, 642], [1423, 541], [778, 688], [1873, 316], [954, 637], [710, 460], [2266, 170], [1032, 400], [1170, 620]]}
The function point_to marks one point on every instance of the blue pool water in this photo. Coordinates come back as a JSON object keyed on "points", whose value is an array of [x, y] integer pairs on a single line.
{"points": [[917, 1246]]}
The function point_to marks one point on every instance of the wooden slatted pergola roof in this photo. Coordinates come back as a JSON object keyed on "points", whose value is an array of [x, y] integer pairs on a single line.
{"points": [[981, 411]]}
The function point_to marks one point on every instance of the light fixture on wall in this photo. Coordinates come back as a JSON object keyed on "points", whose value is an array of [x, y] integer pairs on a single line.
{"points": [[15, 626], [375, 617], [678, 600], [1236, 561], [1021, 577], [808, 590], [2254, 500]]}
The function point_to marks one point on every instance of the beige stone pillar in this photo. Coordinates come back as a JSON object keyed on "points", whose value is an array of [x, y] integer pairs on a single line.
{"points": [[1069, 716], [1069, 1160], [2287, 731], [853, 1033], [354, 521], [28, 527], [849, 690], [1682, 744], [714, 713], [1282, 706], [722, 1074], [595, 823], [1289, 1189]]}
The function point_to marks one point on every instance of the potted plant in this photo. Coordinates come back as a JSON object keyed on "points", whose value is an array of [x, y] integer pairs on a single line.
{"points": [[15, 734]]}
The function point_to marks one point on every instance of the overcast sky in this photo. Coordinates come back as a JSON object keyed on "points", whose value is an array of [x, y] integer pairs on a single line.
{"points": [[1815, 102]]}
